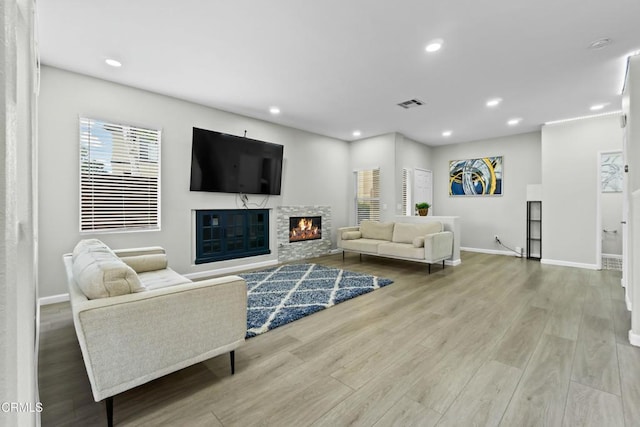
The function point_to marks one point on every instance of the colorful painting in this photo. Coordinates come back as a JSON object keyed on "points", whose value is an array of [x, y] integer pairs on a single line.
{"points": [[476, 177], [611, 168]]}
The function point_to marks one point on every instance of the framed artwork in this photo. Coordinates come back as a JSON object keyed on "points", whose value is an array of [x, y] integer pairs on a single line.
{"points": [[611, 169], [476, 177]]}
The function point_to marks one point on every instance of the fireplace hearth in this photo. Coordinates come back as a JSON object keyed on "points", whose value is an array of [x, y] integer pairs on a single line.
{"points": [[302, 228]]}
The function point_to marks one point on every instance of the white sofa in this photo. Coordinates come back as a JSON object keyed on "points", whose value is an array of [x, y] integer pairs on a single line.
{"points": [[421, 242], [136, 319]]}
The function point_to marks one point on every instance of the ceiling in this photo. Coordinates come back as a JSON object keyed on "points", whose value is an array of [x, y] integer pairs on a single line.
{"points": [[336, 66]]}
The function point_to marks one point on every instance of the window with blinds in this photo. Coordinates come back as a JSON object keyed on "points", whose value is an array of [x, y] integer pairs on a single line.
{"points": [[367, 195], [407, 208], [119, 177]]}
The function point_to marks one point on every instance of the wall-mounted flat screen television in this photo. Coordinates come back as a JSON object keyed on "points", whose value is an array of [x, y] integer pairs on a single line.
{"points": [[232, 164]]}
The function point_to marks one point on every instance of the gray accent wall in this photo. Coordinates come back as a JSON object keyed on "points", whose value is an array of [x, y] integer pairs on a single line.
{"points": [[316, 169], [570, 183], [482, 217]]}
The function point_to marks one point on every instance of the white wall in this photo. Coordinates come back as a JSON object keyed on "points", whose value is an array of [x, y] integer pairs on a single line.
{"points": [[410, 155], [631, 107], [18, 332], [315, 169], [482, 217], [570, 183], [370, 153], [611, 206]]}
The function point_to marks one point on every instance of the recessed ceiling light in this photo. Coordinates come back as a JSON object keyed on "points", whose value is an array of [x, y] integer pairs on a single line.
{"points": [[113, 62], [447, 133], [494, 102], [600, 43], [356, 133], [513, 122], [434, 45], [597, 107], [274, 110]]}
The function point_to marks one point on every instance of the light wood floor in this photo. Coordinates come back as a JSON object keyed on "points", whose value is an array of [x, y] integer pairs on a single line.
{"points": [[495, 341]]}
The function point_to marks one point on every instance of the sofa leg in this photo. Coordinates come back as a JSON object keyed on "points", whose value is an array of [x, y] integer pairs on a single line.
{"points": [[343, 255], [109, 403], [443, 264], [429, 268], [233, 361], [360, 257]]}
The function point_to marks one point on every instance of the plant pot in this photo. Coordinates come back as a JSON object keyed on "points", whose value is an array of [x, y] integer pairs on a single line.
{"points": [[423, 212]]}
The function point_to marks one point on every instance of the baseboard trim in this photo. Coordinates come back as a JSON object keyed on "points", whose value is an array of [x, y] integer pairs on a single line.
{"points": [[634, 339], [569, 264], [229, 270], [453, 262], [491, 251], [53, 299]]}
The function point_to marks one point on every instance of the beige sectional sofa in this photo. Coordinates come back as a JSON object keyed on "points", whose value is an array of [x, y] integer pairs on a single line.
{"points": [[136, 319], [421, 242]]}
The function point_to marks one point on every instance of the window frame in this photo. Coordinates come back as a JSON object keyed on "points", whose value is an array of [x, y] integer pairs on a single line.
{"points": [[145, 166], [407, 192], [375, 178]]}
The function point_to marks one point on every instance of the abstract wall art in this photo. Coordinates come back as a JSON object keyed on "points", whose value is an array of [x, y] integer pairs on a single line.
{"points": [[476, 177], [611, 168]]}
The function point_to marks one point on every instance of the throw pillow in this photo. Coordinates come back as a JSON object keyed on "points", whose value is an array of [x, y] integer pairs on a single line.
{"points": [[418, 242], [144, 263], [351, 235], [100, 273], [376, 230]]}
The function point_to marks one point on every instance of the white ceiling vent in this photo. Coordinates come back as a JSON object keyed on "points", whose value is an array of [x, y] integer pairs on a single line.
{"points": [[411, 103]]}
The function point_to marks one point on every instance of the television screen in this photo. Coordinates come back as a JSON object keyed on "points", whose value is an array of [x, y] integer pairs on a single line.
{"points": [[232, 164]]}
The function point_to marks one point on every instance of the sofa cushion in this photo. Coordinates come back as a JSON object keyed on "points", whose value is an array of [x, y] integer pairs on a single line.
{"points": [[402, 250], [161, 279], [376, 230], [405, 232], [362, 245], [144, 263], [351, 235], [100, 273], [418, 242]]}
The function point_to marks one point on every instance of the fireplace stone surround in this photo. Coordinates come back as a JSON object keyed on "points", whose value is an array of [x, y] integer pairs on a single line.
{"points": [[292, 251]]}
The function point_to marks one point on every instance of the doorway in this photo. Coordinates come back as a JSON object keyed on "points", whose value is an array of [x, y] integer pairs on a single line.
{"points": [[610, 210]]}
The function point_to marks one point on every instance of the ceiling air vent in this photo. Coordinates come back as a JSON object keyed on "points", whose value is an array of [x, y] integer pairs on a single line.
{"points": [[411, 103]]}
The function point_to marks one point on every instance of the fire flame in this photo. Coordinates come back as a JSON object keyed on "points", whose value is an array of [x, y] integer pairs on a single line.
{"points": [[304, 230], [305, 224]]}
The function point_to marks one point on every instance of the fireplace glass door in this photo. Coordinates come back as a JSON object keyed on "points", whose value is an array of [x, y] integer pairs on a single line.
{"points": [[303, 228]]}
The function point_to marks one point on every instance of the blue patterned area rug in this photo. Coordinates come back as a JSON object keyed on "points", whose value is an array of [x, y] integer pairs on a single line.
{"points": [[280, 295]]}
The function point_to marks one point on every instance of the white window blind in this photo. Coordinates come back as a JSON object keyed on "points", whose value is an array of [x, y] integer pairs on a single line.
{"points": [[407, 208], [119, 177], [367, 195]]}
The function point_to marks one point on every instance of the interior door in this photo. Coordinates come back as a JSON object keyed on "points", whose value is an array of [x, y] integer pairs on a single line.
{"points": [[423, 187]]}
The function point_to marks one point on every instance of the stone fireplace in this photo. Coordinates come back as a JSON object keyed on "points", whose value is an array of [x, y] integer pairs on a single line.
{"points": [[303, 232]]}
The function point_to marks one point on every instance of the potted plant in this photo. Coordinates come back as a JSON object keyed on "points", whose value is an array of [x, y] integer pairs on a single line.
{"points": [[423, 208]]}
